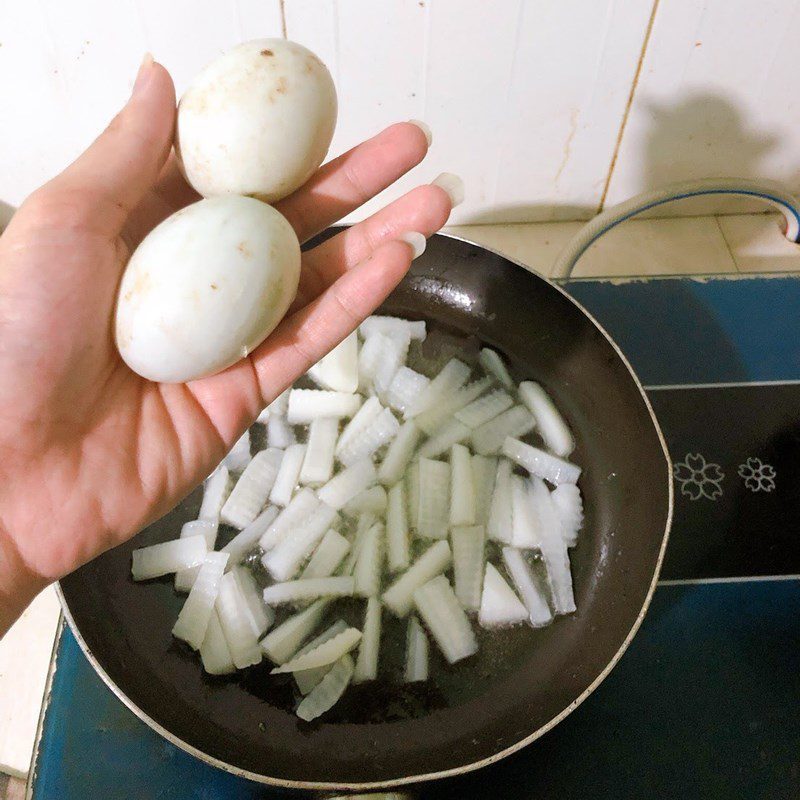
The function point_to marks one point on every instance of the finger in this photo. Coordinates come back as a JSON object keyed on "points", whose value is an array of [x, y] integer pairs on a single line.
{"points": [[424, 210], [342, 185], [123, 163]]}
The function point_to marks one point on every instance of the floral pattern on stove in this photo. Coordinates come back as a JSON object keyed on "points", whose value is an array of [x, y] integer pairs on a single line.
{"points": [[698, 477], [758, 476]]}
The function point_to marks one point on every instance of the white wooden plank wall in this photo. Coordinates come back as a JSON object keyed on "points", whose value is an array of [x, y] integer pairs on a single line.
{"points": [[533, 102]]}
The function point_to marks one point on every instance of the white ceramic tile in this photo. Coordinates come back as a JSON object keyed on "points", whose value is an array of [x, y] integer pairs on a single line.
{"points": [[714, 98], [24, 661], [690, 246], [757, 243]]}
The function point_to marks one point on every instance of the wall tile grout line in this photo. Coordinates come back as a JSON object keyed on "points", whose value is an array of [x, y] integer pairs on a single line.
{"points": [[727, 243]]}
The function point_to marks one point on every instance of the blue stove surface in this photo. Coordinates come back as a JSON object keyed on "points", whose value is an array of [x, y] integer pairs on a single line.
{"points": [[703, 704]]}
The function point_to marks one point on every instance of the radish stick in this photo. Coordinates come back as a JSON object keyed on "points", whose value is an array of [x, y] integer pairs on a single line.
{"points": [[193, 619], [263, 417], [569, 505], [303, 505], [239, 455], [260, 616], [360, 422], [327, 557], [369, 358], [412, 491], [318, 463], [392, 326], [215, 491], [307, 679], [495, 366], [541, 464], [450, 433], [399, 597], [372, 500], [405, 387], [161, 559], [308, 589], [489, 437], [324, 654], [445, 619], [416, 652], [288, 475], [252, 489], [348, 483], [367, 571], [468, 561], [398, 550], [484, 409], [365, 522], [453, 376], [281, 643], [236, 625], [462, 489], [399, 454], [484, 470], [550, 424], [366, 442], [434, 499], [328, 691], [500, 524], [244, 541], [538, 611], [185, 578], [525, 521], [369, 647], [279, 432], [391, 359], [214, 652], [338, 370], [500, 607], [306, 405], [431, 419]]}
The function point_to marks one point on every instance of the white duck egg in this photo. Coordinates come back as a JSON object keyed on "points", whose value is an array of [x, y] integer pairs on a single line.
{"points": [[256, 121], [205, 287]]}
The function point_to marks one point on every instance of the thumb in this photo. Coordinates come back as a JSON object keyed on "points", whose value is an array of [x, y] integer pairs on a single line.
{"points": [[123, 163]]}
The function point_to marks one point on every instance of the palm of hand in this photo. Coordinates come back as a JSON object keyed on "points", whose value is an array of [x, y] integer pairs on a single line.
{"points": [[90, 451]]}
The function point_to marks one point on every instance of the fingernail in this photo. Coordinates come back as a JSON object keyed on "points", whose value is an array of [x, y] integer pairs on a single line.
{"points": [[416, 240], [144, 73], [453, 185], [425, 128]]}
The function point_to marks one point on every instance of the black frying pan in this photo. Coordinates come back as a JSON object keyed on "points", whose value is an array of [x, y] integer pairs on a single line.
{"points": [[522, 682]]}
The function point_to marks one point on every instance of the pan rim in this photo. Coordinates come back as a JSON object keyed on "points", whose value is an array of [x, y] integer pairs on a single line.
{"points": [[405, 780]]}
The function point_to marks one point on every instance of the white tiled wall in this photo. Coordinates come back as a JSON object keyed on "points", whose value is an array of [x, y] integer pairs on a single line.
{"points": [[544, 107]]}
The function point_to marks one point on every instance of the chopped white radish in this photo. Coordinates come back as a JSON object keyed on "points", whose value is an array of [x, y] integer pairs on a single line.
{"points": [[431, 420], [365, 522], [303, 505], [554, 549], [184, 578], [323, 654], [215, 492], [484, 471], [452, 432], [550, 424], [399, 454], [363, 418], [398, 551], [193, 618], [434, 499], [500, 524], [372, 500], [500, 607], [260, 616], [279, 432], [308, 589], [452, 377], [309, 404], [524, 520], [281, 643], [495, 366], [399, 597], [327, 557], [328, 691], [489, 437], [369, 358], [520, 573], [568, 503], [367, 570], [468, 561], [391, 359], [486, 408], [462, 488], [307, 679], [445, 619], [252, 489], [338, 370], [366, 442], [244, 541], [239, 455], [416, 652], [214, 652], [288, 475], [392, 326], [161, 559], [367, 661], [318, 463], [236, 624], [284, 560], [405, 387], [541, 464], [412, 493], [348, 483]]}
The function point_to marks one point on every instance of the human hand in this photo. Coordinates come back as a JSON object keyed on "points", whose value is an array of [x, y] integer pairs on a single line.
{"points": [[90, 452]]}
